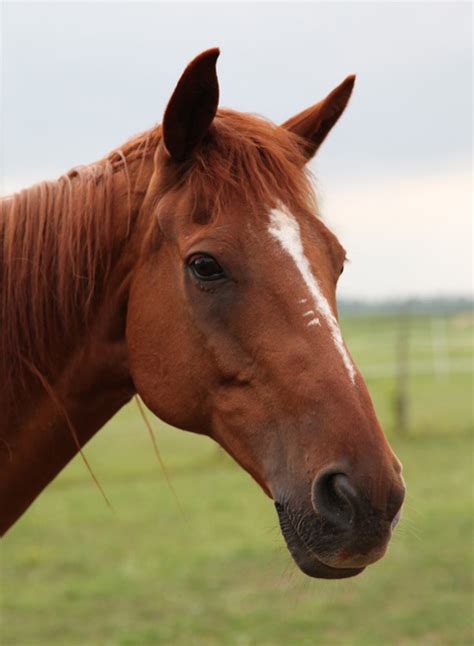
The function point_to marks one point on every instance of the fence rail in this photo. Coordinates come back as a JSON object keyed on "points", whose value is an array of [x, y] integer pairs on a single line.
{"points": [[418, 369], [413, 358]]}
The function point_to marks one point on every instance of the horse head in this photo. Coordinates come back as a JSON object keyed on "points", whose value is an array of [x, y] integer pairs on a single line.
{"points": [[232, 324]]}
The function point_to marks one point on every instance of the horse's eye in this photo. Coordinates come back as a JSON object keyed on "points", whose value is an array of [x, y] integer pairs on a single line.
{"points": [[205, 267]]}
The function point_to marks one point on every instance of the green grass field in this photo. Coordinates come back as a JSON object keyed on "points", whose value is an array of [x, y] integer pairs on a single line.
{"points": [[73, 572]]}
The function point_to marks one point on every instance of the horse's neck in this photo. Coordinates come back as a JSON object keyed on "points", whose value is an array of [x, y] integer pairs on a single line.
{"points": [[52, 427], [51, 419]]}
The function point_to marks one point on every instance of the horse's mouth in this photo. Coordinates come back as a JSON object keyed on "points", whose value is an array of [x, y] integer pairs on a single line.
{"points": [[304, 557]]}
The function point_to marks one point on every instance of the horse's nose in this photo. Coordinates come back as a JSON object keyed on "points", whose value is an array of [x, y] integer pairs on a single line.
{"points": [[335, 499], [395, 502]]}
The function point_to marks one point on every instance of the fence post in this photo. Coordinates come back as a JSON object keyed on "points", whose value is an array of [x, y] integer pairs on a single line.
{"points": [[402, 393]]}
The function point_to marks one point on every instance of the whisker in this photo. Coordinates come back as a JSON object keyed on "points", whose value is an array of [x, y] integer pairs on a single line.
{"points": [[158, 455]]}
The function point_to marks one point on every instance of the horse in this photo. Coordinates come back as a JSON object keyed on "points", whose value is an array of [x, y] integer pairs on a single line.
{"points": [[191, 267]]}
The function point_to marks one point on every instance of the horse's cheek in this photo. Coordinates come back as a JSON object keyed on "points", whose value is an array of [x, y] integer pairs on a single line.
{"points": [[164, 359]]}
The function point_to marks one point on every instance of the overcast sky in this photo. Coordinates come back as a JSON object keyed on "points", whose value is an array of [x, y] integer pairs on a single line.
{"points": [[394, 177]]}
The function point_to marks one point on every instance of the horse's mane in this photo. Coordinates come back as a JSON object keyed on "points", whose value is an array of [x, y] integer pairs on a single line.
{"points": [[57, 242], [58, 238]]}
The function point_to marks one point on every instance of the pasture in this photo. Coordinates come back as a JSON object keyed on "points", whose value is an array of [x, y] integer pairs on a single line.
{"points": [[73, 572]]}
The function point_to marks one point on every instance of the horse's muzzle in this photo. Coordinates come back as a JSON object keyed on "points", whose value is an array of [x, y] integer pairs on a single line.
{"points": [[304, 557], [341, 532]]}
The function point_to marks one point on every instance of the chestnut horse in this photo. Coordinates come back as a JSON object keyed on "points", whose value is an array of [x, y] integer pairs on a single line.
{"points": [[190, 266]]}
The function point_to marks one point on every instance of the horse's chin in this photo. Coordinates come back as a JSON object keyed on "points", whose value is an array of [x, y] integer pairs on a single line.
{"points": [[305, 559], [315, 568]]}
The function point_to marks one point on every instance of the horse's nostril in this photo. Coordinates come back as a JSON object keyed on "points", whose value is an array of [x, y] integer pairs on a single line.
{"points": [[334, 498], [344, 489]]}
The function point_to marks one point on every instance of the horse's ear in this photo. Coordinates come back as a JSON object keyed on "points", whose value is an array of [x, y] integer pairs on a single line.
{"points": [[313, 124], [192, 107]]}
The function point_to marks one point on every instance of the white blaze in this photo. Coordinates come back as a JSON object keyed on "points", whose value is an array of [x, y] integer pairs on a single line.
{"points": [[284, 228]]}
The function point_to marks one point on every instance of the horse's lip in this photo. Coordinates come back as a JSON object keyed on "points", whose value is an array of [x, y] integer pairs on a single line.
{"points": [[304, 557]]}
